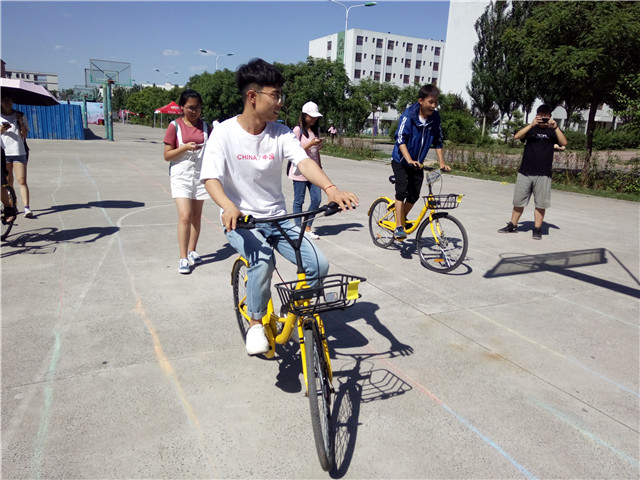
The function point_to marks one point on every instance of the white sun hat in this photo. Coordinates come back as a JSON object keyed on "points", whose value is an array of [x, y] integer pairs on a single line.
{"points": [[311, 109]]}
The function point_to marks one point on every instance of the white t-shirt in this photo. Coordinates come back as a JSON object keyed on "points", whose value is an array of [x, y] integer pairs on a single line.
{"points": [[13, 143], [249, 167]]}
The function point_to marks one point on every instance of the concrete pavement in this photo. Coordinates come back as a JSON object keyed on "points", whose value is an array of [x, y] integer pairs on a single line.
{"points": [[523, 363]]}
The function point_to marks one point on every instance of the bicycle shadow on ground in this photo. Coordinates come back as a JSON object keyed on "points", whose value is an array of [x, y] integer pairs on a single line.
{"points": [[330, 230], [408, 251], [45, 240], [98, 204], [562, 263], [362, 381]]}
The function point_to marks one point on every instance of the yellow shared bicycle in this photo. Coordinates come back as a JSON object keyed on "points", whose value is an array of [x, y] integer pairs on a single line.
{"points": [[301, 305], [441, 240]]}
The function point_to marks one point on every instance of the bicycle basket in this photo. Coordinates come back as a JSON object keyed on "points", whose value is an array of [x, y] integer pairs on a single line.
{"points": [[444, 202], [333, 292]]}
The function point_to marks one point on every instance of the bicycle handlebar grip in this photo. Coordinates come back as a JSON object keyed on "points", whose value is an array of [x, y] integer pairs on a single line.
{"points": [[331, 209], [245, 222]]}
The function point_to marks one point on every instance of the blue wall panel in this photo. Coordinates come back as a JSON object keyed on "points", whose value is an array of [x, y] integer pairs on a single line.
{"points": [[60, 122]]}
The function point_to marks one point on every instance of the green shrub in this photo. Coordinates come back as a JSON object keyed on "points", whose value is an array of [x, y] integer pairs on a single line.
{"points": [[576, 140]]}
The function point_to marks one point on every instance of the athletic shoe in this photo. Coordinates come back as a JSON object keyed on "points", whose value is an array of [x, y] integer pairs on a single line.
{"points": [[400, 234], [28, 213], [311, 234], [510, 228], [537, 233], [256, 341], [183, 266], [194, 258]]}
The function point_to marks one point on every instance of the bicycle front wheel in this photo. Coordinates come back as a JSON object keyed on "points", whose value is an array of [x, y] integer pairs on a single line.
{"points": [[442, 243], [319, 388], [239, 284], [10, 212], [381, 223]]}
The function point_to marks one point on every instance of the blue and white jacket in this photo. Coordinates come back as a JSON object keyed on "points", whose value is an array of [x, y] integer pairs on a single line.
{"points": [[417, 137]]}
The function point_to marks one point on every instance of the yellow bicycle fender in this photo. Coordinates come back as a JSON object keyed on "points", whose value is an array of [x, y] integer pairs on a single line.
{"points": [[240, 259], [391, 203]]}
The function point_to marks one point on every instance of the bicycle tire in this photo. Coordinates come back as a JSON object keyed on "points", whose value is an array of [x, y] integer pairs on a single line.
{"points": [[319, 393], [7, 226], [239, 284], [381, 236], [449, 250]]}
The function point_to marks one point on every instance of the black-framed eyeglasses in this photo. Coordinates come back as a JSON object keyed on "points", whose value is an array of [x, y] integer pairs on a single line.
{"points": [[194, 109], [277, 96]]}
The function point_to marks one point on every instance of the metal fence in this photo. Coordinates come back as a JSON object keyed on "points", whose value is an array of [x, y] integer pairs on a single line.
{"points": [[59, 122]]}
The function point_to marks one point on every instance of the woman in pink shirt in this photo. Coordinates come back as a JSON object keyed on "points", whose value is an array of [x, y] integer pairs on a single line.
{"points": [[183, 148], [307, 133]]}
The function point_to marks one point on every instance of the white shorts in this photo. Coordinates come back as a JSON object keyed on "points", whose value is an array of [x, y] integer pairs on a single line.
{"points": [[185, 180]]}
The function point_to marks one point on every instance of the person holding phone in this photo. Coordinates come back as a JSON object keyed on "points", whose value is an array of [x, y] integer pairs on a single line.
{"points": [[307, 132], [14, 129], [184, 143], [534, 174]]}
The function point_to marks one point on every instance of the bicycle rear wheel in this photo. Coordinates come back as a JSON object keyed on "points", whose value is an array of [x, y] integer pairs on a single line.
{"points": [[381, 214], [445, 248], [10, 212], [239, 284], [320, 389]]}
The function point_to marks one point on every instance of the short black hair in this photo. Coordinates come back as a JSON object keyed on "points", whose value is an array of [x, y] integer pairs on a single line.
{"points": [[186, 95], [259, 73], [544, 108], [428, 91]]}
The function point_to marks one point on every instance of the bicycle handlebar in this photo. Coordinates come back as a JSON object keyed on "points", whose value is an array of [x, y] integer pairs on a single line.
{"points": [[249, 221]]}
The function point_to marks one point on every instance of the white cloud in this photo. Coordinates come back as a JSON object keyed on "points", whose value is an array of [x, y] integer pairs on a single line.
{"points": [[198, 68], [57, 47], [73, 60], [169, 52]]}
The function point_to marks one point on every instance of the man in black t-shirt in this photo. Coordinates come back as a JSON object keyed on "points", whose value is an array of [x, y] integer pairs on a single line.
{"points": [[534, 174]]}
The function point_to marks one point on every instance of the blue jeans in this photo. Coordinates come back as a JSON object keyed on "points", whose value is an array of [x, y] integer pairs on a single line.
{"points": [[256, 246], [315, 197]]}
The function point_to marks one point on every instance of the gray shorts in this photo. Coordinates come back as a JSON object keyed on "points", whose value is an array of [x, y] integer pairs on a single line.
{"points": [[538, 185]]}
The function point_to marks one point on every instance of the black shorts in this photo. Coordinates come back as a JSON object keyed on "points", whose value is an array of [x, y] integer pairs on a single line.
{"points": [[408, 182]]}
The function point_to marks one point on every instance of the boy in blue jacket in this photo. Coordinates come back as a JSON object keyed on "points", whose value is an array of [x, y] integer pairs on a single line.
{"points": [[419, 127]]}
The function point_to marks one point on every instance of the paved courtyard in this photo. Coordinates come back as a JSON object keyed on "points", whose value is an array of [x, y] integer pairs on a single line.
{"points": [[523, 363]]}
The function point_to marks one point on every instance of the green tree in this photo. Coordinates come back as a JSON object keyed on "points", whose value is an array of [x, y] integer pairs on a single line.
{"points": [[589, 46], [220, 96], [146, 101], [627, 101], [407, 96], [378, 95]]}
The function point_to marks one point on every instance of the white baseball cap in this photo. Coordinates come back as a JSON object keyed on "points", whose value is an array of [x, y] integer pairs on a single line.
{"points": [[311, 109]]}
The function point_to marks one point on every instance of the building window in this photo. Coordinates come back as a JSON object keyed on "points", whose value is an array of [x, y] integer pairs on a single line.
{"points": [[376, 76], [436, 66], [379, 43], [419, 48], [356, 74], [389, 61], [405, 80], [390, 45], [358, 56], [366, 39], [409, 47], [378, 59], [387, 77], [365, 55], [418, 64], [435, 81], [329, 45], [416, 79], [437, 52], [359, 40], [407, 63]]}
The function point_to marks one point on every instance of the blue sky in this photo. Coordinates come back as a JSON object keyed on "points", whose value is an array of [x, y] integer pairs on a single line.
{"points": [[61, 37]]}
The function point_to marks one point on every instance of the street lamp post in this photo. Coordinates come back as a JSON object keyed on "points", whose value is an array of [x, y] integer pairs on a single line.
{"points": [[346, 9], [208, 52], [166, 75]]}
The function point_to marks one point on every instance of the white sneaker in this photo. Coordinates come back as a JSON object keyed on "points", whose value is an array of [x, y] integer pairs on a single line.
{"points": [[183, 266], [28, 213], [194, 258], [311, 234], [256, 341]]}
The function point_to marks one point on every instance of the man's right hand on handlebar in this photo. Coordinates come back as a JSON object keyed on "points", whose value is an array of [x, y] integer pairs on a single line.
{"points": [[345, 200]]}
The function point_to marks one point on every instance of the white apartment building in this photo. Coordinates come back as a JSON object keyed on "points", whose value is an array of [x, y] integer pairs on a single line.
{"points": [[47, 80], [383, 57]]}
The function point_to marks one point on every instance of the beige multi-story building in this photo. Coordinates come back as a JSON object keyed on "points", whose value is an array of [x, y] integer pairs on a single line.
{"points": [[383, 57], [47, 80]]}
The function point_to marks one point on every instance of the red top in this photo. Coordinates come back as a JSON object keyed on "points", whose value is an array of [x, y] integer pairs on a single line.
{"points": [[189, 134]]}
